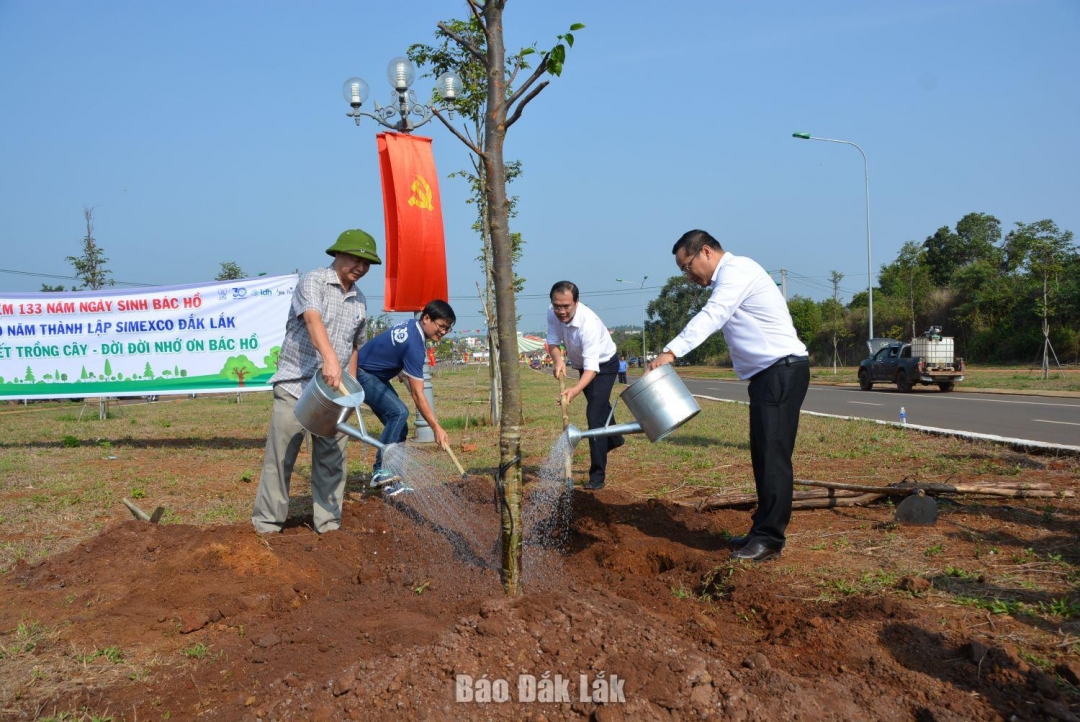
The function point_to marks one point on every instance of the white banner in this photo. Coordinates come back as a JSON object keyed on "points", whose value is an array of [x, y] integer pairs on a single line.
{"points": [[199, 338]]}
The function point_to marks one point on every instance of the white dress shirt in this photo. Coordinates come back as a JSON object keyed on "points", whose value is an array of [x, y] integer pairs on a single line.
{"points": [[586, 338], [746, 304]]}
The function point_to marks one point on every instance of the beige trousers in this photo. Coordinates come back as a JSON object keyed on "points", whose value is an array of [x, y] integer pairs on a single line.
{"points": [[283, 443]]}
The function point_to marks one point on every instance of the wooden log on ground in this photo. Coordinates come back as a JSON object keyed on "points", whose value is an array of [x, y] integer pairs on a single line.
{"points": [[831, 502], [913, 488], [727, 501]]}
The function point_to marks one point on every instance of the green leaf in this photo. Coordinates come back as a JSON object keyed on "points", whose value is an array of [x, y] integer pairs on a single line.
{"points": [[570, 40], [558, 54], [527, 51], [577, 26], [554, 67]]}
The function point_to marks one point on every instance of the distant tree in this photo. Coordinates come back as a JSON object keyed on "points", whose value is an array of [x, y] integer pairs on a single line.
{"points": [[679, 301], [805, 316], [1049, 253], [832, 314], [83, 375], [239, 368], [908, 278], [375, 326], [980, 234], [148, 373], [63, 377], [29, 375], [90, 266], [229, 272], [108, 368], [46, 288]]}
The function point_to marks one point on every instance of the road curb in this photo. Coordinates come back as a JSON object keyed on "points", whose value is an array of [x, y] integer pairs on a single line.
{"points": [[1015, 444]]}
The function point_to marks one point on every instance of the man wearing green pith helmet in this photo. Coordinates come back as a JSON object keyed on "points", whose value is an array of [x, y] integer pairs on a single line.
{"points": [[327, 324]]}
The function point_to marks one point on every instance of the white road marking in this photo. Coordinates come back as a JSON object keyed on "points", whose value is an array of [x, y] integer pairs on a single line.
{"points": [[1048, 421], [1006, 401], [864, 403]]}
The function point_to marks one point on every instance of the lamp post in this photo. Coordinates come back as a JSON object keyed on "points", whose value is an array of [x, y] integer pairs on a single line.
{"points": [[403, 105], [866, 176], [644, 352]]}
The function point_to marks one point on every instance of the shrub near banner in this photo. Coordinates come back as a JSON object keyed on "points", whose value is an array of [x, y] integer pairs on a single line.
{"points": [[197, 338]]}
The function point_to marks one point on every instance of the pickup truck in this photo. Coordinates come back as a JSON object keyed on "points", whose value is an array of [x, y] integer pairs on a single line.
{"points": [[928, 360]]}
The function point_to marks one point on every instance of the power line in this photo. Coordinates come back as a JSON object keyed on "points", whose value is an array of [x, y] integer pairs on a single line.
{"points": [[67, 278]]}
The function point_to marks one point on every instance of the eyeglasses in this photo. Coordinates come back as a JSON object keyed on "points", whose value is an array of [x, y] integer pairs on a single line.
{"points": [[686, 268], [443, 328]]}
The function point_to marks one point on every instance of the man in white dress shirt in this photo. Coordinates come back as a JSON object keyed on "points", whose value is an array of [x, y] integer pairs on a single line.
{"points": [[747, 306], [591, 351]]}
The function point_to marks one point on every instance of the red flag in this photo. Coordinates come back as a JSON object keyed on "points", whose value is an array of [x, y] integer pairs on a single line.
{"points": [[415, 245]]}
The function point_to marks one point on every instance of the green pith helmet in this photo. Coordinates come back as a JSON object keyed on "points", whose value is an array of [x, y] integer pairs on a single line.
{"points": [[356, 243]]}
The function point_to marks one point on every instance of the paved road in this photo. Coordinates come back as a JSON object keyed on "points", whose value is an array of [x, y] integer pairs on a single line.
{"points": [[1046, 419]]}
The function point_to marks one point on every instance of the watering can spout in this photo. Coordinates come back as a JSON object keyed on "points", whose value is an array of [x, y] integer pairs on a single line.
{"points": [[575, 435], [358, 434]]}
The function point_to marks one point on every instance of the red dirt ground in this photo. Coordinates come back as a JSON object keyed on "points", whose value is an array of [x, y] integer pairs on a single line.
{"points": [[376, 621]]}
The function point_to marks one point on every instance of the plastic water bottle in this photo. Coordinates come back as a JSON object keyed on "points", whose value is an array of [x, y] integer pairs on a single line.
{"points": [[903, 417]]}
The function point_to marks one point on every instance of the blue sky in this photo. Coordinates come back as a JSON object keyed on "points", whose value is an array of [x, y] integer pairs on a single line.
{"points": [[204, 132]]}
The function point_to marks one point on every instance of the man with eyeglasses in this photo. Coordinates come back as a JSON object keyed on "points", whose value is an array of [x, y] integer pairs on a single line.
{"points": [[592, 352], [747, 306], [327, 323], [400, 352]]}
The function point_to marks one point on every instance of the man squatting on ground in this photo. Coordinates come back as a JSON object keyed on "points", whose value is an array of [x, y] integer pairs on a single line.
{"points": [[747, 306], [327, 324], [400, 351], [591, 351]]}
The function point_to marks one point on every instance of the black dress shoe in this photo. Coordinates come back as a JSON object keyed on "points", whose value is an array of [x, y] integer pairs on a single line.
{"points": [[755, 551], [738, 541], [595, 485]]}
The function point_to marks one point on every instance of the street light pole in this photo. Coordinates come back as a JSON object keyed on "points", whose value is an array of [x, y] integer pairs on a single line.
{"points": [[403, 104], [644, 350], [866, 177]]}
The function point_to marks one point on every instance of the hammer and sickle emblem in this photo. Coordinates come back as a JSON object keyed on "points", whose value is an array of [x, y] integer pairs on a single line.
{"points": [[421, 197]]}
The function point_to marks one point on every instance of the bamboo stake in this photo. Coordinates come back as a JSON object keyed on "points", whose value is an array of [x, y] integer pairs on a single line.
{"points": [[566, 423], [457, 463]]}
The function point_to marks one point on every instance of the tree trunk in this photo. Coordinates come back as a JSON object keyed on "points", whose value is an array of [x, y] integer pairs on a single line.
{"points": [[494, 377], [505, 306]]}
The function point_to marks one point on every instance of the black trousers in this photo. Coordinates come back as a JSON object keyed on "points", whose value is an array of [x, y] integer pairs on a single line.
{"points": [[597, 407], [776, 395]]}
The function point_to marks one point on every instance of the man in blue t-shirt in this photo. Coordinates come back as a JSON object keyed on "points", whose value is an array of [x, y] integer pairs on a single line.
{"points": [[400, 350]]}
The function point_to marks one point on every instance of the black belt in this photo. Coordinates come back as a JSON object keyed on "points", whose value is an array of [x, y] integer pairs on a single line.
{"points": [[788, 360]]}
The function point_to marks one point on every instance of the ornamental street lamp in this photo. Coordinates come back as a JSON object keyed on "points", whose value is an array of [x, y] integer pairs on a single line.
{"points": [[403, 103], [644, 352], [866, 176]]}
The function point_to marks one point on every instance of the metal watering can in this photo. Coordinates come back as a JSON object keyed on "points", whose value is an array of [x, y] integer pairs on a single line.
{"points": [[323, 410], [659, 401]]}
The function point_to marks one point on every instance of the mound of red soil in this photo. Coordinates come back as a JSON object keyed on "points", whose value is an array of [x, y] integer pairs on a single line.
{"points": [[401, 615]]}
